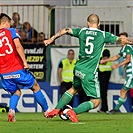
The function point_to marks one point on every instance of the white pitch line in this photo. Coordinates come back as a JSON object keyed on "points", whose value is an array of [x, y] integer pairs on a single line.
{"points": [[77, 123]]}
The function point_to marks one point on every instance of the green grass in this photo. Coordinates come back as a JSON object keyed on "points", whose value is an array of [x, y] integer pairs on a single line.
{"points": [[89, 123]]}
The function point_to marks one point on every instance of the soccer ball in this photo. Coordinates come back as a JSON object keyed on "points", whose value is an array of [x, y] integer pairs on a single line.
{"points": [[63, 114]]}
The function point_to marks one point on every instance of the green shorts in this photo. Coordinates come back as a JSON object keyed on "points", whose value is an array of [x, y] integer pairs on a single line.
{"points": [[88, 81], [128, 83]]}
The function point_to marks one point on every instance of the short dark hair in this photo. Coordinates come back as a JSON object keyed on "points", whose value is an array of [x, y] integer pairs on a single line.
{"points": [[123, 33], [106, 52], [70, 50], [15, 13]]}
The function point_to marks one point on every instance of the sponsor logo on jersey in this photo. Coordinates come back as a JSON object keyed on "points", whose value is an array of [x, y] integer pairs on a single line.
{"points": [[79, 74], [11, 76], [2, 33]]}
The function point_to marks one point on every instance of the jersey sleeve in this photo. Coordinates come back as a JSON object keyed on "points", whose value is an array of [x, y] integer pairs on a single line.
{"points": [[14, 33], [128, 50], [76, 31], [110, 38]]}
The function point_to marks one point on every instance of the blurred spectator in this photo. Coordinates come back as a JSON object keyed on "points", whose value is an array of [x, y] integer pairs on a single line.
{"points": [[41, 37], [23, 37], [32, 34], [16, 24]]}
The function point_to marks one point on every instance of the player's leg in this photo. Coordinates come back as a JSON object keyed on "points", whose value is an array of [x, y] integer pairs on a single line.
{"points": [[126, 87], [69, 85], [40, 98], [91, 87], [14, 99], [121, 101], [63, 88], [9, 85], [27, 80], [65, 99], [12, 105], [86, 106]]}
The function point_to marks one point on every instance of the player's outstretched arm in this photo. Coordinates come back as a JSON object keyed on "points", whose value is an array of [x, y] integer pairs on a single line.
{"points": [[20, 51], [57, 35], [124, 62], [111, 59]]}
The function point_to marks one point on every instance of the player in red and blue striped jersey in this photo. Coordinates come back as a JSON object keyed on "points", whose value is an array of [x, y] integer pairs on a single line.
{"points": [[13, 67]]}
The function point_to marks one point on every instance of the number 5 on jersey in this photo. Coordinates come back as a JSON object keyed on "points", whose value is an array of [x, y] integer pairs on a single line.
{"points": [[90, 44]]}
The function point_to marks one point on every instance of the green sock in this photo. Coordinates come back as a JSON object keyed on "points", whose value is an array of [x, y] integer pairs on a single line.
{"points": [[83, 107], [66, 98], [120, 102]]}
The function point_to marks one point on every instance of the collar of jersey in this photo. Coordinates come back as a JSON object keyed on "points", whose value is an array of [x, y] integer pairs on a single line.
{"points": [[91, 28]]}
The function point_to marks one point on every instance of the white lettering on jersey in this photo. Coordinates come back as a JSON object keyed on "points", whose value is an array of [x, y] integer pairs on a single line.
{"points": [[91, 32], [79, 74], [11, 76], [5, 41], [2, 33]]}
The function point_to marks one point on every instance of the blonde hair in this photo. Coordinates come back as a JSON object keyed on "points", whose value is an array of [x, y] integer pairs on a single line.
{"points": [[93, 19], [4, 19]]}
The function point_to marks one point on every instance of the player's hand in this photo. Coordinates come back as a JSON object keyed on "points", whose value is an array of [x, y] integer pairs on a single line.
{"points": [[26, 66], [114, 66], [47, 42], [103, 61]]}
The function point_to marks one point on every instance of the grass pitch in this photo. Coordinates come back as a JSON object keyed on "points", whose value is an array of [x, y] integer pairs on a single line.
{"points": [[88, 123]]}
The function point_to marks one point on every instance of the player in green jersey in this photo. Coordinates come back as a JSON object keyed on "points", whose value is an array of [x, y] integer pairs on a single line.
{"points": [[92, 41], [127, 53]]}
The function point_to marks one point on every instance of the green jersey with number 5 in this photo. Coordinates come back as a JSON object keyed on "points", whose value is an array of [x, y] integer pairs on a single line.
{"points": [[92, 43]]}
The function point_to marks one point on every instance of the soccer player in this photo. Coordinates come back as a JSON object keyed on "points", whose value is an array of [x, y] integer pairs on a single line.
{"points": [[13, 67], [127, 53], [91, 42]]}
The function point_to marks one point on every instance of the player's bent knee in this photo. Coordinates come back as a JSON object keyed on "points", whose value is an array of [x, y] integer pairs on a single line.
{"points": [[35, 87], [18, 92], [96, 102], [72, 91], [123, 92]]}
